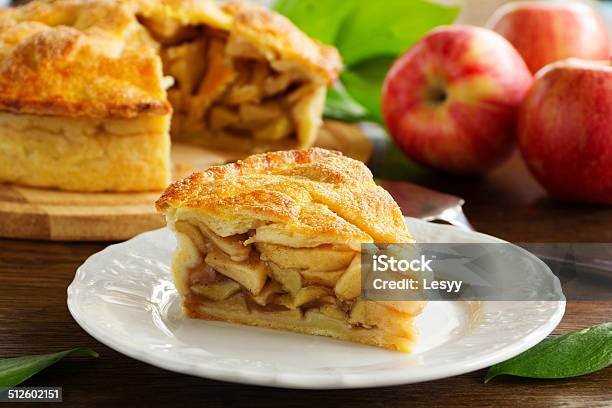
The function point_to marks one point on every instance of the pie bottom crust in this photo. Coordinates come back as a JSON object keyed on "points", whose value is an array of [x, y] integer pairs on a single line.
{"points": [[83, 154], [311, 322]]}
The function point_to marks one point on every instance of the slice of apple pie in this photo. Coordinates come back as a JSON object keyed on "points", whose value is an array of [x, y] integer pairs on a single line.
{"points": [[274, 241]]}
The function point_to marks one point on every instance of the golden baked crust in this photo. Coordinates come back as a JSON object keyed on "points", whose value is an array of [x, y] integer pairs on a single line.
{"points": [[315, 191], [86, 58], [275, 240], [93, 58], [275, 34]]}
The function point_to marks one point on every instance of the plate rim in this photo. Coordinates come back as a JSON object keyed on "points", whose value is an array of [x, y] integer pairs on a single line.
{"points": [[301, 380]]}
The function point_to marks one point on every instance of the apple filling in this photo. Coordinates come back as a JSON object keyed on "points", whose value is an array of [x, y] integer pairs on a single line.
{"points": [[313, 290], [226, 92]]}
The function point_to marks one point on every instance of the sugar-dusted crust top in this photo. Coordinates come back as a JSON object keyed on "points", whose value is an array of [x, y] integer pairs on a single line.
{"points": [[94, 58], [315, 191], [274, 34], [78, 58]]}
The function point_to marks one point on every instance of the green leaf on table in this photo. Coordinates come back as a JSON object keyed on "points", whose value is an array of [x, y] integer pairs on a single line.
{"points": [[370, 36], [570, 355], [16, 370]]}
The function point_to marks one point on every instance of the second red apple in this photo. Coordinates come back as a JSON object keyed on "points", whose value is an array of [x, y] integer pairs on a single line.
{"points": [[451, 101]]}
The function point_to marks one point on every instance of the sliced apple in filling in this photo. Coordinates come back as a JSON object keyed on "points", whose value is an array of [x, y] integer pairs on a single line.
{"points": [[321, 258], [348, 285], [217, 290], [269, 291], [290, 279], [251, 273], [274, 283], [244, 78], [303, 296], [321, 278]]}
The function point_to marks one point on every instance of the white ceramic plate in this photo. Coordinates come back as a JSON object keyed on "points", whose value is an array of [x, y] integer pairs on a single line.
{"points": [[124, 297]]}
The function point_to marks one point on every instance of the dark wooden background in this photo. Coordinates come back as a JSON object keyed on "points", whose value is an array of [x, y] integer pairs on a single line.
{"points": [[508, 203]]}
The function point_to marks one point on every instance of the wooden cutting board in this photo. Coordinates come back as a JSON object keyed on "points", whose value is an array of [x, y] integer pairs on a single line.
{"points": [[32, 213]]}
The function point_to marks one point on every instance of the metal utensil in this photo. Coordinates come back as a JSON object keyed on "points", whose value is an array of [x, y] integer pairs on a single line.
{"points": [[429, 205]]}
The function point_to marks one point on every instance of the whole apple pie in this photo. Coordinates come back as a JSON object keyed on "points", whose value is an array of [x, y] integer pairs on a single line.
{"points": [[90, 89], [275, 240]]}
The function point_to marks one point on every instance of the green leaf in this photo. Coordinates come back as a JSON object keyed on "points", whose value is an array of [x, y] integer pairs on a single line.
{"points": [[389, 27], [320, 19], [16, 370], [573, 354], [364, 81], [341, 106]]}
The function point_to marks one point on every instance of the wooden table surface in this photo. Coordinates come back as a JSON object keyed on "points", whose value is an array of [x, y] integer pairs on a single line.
{"points": [[34, 319]]}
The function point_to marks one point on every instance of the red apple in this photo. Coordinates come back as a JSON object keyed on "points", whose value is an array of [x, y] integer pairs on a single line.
{"points": [[451, 101], [545, 32], [565, 130]]}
